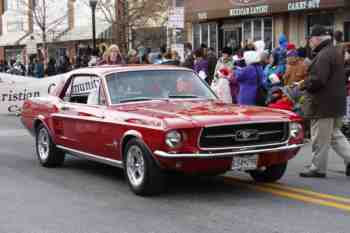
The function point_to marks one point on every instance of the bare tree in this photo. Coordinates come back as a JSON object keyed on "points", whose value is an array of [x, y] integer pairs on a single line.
{"points": [[46, 17], [128, 15]]}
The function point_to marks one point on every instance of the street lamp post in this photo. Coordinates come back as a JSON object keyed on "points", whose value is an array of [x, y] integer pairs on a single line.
{"points": [[93, 4]]}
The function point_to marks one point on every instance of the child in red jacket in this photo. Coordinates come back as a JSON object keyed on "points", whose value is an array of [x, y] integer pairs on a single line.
{"points": [[280, 100]]}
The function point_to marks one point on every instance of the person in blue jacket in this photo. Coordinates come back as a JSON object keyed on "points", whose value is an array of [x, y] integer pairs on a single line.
{"points": [[250, 78]]}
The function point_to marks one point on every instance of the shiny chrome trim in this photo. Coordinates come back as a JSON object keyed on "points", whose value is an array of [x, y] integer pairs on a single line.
{"points": [[243, 147], [233, 135], [226, 154], [96, 158], [132, 133]]}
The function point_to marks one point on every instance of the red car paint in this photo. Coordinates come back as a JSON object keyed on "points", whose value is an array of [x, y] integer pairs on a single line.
{"points": [[104, 130]]}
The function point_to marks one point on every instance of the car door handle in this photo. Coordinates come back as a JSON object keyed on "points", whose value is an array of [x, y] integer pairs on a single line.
{"points": [[100, 116], [65, 108]]}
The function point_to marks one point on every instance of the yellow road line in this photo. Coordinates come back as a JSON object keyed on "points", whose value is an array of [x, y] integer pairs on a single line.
{"points": [[290, 195], [301, 191]]}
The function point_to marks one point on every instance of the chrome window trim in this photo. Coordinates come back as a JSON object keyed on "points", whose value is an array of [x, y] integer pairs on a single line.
{"points": [[242, 147], [96, 158]]}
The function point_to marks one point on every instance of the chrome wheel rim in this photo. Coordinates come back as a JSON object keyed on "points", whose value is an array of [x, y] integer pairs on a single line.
{"points": [[135, 165], [43, 144]]}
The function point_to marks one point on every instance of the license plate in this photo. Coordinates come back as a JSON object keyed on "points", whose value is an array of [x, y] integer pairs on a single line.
{"points": [[245, 163]]}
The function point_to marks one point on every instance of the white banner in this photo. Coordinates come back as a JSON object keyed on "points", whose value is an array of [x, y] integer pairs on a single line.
{"points": [[14, 90]]}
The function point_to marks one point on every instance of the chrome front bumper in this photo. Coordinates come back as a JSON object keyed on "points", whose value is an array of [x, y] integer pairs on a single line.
{"points": [[208, 154]]}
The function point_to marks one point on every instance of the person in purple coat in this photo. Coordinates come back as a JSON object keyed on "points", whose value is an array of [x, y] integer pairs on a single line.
{"points": [[249, 79], [201, 64]]}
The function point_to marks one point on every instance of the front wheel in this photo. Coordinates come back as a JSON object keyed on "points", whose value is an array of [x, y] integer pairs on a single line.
{"points": [[269, 174], [47, 152], [142, 173]]}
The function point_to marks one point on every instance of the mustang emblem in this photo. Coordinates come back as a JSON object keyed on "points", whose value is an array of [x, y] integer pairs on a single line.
{"points": [[247, 135]]}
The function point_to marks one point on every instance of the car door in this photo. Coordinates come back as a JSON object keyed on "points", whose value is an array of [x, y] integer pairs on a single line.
{"points": [[96, 131], [68, 120]]}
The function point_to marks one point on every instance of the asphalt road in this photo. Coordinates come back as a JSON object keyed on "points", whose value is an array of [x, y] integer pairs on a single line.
{"points": [[85, 197]]}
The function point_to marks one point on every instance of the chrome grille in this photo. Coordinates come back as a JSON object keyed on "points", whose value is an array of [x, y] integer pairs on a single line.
{"points": [[256, 134]]}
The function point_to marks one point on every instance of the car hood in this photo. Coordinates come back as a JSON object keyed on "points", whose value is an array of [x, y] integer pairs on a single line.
{"points": [[180, 113]]}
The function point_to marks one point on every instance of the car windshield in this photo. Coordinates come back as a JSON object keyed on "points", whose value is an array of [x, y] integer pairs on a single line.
{"points": [[135, 86]]}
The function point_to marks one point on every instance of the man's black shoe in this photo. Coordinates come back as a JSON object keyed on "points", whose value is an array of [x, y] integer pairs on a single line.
{"points": [[347, 172], [312, 174]]}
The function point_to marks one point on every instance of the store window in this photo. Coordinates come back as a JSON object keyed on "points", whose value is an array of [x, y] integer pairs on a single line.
{"points": [[213, 35], [205, 34], [268, 33], [247, 30], [326, 20], [13, 54], [258, 29], [347, 31], [196, 35]]}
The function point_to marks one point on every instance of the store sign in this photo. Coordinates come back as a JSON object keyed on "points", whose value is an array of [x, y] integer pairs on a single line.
{"points": [[31, 47], [304, 5], [203, 16], [254, 10], [176, 17]]}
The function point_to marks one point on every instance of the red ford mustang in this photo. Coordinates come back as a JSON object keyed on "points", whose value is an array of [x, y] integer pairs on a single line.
{"points": [[152, 119]]}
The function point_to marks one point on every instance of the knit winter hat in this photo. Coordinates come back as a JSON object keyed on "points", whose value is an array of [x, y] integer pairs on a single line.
{"points": [[291, 46], [318, 30]]}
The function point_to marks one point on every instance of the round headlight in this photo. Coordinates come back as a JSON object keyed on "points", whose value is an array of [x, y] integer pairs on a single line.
{"points": [[295, 128], [173, 139]]}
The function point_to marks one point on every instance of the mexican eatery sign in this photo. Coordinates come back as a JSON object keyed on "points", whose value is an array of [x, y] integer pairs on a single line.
{"points": [[253, 10]]}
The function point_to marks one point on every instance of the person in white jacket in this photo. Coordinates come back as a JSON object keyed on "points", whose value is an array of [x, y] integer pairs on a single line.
{"points": [[221, 86]]}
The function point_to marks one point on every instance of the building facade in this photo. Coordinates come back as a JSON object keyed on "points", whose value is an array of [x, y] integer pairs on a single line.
{"points": [[222, 23]]}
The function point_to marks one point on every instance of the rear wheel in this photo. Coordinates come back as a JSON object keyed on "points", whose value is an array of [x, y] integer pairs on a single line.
{"points": [[47, 152], [142, 173], [269, 174]]}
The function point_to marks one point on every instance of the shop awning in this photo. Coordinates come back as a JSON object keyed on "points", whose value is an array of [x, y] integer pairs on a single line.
{"points": [[38, 38], [11, 38], [85, 33]]}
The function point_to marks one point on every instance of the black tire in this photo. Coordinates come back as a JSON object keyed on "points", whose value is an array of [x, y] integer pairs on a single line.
{"points": [[153, 180], [270, 174], [54, 157]]}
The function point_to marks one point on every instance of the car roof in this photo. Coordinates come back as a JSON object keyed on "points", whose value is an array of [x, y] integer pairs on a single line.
{"points": [[106, 69]]}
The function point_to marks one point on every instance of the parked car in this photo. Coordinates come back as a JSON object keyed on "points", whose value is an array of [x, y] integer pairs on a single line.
{"points": [[149, 120]]}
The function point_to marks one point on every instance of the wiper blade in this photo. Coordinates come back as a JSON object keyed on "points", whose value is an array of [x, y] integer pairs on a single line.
{"points": [[135, 100], [184, 97]]}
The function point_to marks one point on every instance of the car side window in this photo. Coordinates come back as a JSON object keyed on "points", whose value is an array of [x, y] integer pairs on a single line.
{"points": [[83, 89]]}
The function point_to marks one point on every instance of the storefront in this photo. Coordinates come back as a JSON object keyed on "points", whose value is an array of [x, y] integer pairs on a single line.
{"points": [[231, 23]]}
